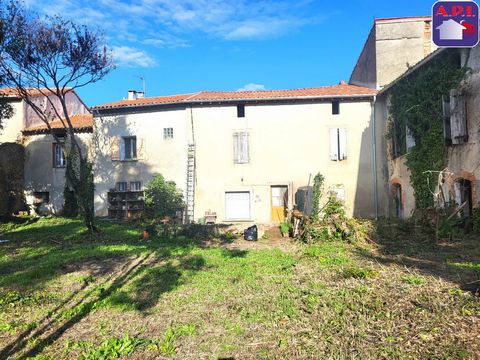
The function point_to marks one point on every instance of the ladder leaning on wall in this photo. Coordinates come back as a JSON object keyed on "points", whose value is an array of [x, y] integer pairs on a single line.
{"points": [[190, 188]]}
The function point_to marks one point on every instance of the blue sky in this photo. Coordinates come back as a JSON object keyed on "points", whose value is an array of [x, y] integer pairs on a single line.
{"points": [[182, 46]]}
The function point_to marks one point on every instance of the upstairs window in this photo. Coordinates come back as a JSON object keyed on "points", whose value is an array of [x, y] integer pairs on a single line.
{"points": [[59, 160], [167, 133], [240, 148], [338, 144], [128, 148], [409, 138], [240, 110], [335, 107], [121, 186], [135, 186], [455, 118]]}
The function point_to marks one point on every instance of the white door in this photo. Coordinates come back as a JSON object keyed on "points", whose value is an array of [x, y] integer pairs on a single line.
{"points": [[237, 205]]}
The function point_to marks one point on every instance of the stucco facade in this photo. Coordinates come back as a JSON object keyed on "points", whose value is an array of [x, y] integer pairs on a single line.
{"points": [[289, 141], [461, 160], [155, 154], [42, 179], [393, 45], [41, 176]]}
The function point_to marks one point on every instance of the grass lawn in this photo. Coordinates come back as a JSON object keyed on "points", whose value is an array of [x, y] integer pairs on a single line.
{"points": [[63, 295]]}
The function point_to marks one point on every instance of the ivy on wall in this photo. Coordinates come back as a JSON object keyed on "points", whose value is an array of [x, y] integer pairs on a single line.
{"points": [[416, 103]]}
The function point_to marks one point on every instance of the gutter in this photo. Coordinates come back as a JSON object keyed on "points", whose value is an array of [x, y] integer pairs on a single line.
{"points": [[374, 149]]}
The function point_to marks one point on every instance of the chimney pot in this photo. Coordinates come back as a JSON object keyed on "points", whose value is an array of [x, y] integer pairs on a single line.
{"points": [[132, 95], [342, 82], [140, 94]]}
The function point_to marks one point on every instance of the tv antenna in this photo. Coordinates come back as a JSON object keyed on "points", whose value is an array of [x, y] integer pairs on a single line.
{"points": [[141, 77]]}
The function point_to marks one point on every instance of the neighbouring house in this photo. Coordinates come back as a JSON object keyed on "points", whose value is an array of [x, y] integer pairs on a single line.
{"points": [[392, 46], [456, 110], [243, 155], [44, 171]]}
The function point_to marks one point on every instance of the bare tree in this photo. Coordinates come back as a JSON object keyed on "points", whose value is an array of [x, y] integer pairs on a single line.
{"points": [[53, 57]]}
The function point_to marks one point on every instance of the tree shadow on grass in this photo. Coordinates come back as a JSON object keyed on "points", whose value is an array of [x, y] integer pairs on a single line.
{"points": [[138, 286], [457, 260]]}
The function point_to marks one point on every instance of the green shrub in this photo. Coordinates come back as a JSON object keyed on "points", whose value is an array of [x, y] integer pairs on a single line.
{"points": [[162, 198], [284, 228]]}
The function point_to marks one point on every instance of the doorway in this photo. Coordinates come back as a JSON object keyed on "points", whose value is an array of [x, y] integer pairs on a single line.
{"points": [[279, 202]]}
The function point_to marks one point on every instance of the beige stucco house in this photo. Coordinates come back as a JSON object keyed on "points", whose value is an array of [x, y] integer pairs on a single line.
{"points": [[44, 173], [242, 155], [458, 181]]}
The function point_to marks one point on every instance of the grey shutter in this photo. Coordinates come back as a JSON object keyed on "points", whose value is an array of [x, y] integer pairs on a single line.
{"points": [[334, 144], [409, 139], [458, 121], [342, 144], [140, 148], [115, 149], [447, 129], [236, 148], [240, 148]]}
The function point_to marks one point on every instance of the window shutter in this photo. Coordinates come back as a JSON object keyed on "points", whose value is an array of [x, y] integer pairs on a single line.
{"points": [[140, 148], [236, 147], [458, 123], [334, 144], [240, 148], [447, 130], [342, 138], [115, 149], [245, 157], [410, 140]]}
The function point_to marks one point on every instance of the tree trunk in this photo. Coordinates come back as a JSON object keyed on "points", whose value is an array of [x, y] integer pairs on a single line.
{"points": [[80, 177]]}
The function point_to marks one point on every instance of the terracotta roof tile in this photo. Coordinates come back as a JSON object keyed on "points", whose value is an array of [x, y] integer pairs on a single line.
{"points": [[13, 92], [340, 90], [79, 122]]}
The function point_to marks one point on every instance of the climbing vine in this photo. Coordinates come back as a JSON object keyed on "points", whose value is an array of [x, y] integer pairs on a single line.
{"points": [[416, 103]]}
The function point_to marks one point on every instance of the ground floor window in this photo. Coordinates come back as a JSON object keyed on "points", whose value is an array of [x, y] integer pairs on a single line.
{"points": [[237, 205], [41, 197]]}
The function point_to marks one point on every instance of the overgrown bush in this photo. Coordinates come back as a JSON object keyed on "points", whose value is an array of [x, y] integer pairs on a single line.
{"points": [[162, 198], [331, 224]]}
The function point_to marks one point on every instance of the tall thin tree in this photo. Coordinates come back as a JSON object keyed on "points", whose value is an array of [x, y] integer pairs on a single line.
{"points": [[54, 57]]}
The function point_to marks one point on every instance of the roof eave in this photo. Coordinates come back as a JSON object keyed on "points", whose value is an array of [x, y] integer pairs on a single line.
{"points": [[216, 101]]}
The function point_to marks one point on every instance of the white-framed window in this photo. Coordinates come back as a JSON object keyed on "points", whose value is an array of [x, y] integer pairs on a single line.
{"points": [[240, 148], [59, 160], [135, 186], [338, 144], [167, 133], [128, 148], [121, 186]]}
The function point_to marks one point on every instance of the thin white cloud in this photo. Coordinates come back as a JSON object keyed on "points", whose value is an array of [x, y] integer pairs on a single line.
{"points": [[130, 57], [225, 19], [252, 87]]}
